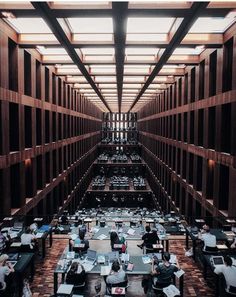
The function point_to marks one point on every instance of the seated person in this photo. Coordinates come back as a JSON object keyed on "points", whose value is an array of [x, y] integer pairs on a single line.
{"points": [[80, 240], [154, 237], [5, 270], [229, 272], [233, 245], [233, 228], [148, 238], [64, 220], [164, 272], [28, 239], [82, 228], [114, 238], [3, 242], [33, 227], [76, 275], [116, 276], [208, 239]]}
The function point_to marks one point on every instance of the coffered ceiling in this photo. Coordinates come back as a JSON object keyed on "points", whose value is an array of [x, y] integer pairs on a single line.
{"points": [[119, 55]]}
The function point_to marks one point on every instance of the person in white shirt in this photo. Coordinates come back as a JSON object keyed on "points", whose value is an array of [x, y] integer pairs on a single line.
{"points": [[5, 269], [233, 228], [233, 245], [28, 238], [229, 272], [116, 276], [208, 239]]}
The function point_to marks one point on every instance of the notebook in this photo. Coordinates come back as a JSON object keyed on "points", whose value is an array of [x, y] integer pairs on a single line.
{"points": [[91, 256], [105, 270]]}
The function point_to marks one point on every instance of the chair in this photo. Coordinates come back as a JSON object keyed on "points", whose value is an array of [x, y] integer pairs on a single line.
{"points": [[25, 248], [210, 250], [230, 294], [159, 289], [102, 223], [148, 250], [77, 289], [123, 284]]}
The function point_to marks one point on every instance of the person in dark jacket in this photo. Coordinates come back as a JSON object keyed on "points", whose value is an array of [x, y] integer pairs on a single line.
{"points": [[164, 272], [76, 275], [149, 238]]}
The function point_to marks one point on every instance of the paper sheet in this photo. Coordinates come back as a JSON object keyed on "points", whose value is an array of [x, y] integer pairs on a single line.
{"points": [[171, 291], [131, 231], [146, 259], [105, 270], [173, 259], [124, 257], [179, 273], [73, 236], [88, 266]]}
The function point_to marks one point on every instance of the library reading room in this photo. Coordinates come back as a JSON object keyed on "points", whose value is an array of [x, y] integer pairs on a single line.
{"points": [[117, 148]]}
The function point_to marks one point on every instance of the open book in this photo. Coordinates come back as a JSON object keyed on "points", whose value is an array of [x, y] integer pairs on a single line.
{"points": [[171, 291]]}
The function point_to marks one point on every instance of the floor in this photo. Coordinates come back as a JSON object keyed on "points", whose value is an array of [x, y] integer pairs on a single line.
{"points": [[194, 284]]}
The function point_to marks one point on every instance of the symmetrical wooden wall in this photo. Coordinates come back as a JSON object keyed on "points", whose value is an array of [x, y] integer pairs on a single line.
{"points": [[48, 134], [188, 135]]}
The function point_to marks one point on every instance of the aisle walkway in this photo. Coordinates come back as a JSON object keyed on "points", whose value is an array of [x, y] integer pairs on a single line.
{"points": [[194, 284]]}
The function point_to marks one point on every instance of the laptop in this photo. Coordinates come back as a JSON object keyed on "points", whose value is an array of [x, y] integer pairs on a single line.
{"points": [[13, 256], [91, 256], [217, 260], [17, 226]]}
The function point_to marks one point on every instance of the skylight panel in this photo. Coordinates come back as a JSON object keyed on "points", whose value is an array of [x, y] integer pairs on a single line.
{"points": [[51, 50], [187, 51], [95, 37], [130, 58], [57, 58], [211, 25], [80, 4], [149, 25], [91, 25], [107, 86], [64, 71], [101, 79], [29, 25], [141, 51], [145, 37], [98, 51], [76, 79], [132, 85], [66, 66], [83, 86], [134, 79], [98, 59], [109, 91], [136, 69], [102, 69]]}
